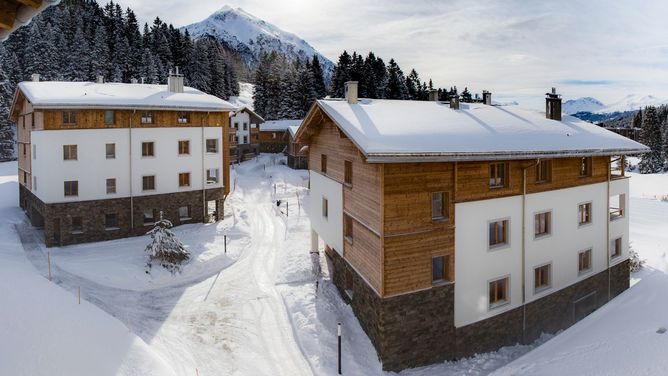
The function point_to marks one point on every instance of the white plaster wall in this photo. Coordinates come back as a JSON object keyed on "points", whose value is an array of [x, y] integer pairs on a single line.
{"points": [[567, 237], [92, 168], [330, 229], [241, 118], [476, 264], [620, 226]]}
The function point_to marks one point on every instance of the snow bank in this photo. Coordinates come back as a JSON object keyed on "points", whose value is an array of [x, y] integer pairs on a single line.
{"points": [[44, 330]]}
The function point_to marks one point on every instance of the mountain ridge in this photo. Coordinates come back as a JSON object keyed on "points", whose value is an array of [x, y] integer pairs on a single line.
{"points": [[249, 35]]}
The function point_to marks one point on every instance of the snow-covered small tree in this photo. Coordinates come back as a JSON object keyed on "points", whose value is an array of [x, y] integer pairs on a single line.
{"points": [[165, 248], [635, 263]]}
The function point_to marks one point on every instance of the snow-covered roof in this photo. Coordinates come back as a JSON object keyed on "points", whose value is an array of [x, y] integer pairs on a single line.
{"points": [[398, 130], [25, 14], [293, 130], [255, 118], [279, 125], [59, 94]]}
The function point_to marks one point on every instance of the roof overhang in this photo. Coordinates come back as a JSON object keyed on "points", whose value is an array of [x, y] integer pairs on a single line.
{"points": [[63, 106], [254, 116], [17, 13]]}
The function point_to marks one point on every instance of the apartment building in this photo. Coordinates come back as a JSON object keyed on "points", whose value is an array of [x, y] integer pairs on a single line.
{"points": [[101, 160], [244, 134], [454, 229]]}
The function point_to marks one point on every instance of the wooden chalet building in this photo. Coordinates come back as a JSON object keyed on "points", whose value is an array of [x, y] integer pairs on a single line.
{"points": [[272, 135], [100, 161], [297, 152], [458, 229]]}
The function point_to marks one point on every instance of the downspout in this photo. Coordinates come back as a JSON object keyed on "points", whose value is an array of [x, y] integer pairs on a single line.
{"points": [[132, 216], [204, 208], [607, 220], [524, 199]]}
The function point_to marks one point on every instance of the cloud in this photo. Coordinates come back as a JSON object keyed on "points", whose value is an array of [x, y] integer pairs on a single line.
{"points": [[587, 82]]}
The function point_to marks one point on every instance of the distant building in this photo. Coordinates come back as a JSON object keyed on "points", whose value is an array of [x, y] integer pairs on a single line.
{"points": [[244, 134], [297, 152], [101, 160], [455, 229], [632, 133], [272, 135]]}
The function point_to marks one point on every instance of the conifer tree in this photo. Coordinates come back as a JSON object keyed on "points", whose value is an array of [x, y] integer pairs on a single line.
{"points": [[341, 75], [396, 83], [165, 248], [318, 78], [651, 136]]}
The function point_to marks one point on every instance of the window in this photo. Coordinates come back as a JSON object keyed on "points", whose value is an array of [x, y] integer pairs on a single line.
{"points": [[148, 183], [348, 228], [110, 151], [147, 149], [110, 221], [273, 135], [109, 117], [236, 125], [111, 185], [69, 152], [72, 188], [184, 213], [325, 207], [212, 145], [542, 224], [184, 147], [585, 166], [498, 175], [498, 233], [616, 248], [542, 278], [544, 171], [183, 117], [439, 269], [149, 217], [323, 163], [348, 173], [184, 179], [77, 225], [147, 117], [584, 261], [245, 126], [212, 176], [69, 118], [617, 206], [245, 139], [498, 292], [439, 205], [584, 214]]}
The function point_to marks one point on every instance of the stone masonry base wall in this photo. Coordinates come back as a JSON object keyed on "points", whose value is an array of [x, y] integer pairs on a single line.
{"points": [[57, 218], [418, 329]]}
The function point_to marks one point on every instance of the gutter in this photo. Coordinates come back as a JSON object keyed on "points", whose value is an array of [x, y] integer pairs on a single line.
{"points": [[501, 155], [524, 199]]}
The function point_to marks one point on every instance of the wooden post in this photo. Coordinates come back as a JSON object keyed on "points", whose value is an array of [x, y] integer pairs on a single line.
{"points": [[79, 294], [48, 257], [225, 238], [338, 330]]}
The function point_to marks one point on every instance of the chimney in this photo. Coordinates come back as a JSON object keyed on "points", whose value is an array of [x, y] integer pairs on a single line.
{"points": [[351, 92], [175, 81], [100, 79], [487, 97], [134, 80], [433, 95], [35, 77], [553, 105], [454, 102]]}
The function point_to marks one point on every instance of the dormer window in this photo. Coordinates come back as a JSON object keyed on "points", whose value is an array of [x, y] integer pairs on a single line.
{"points": [[69, 118], [184, 117], [147, 117]]}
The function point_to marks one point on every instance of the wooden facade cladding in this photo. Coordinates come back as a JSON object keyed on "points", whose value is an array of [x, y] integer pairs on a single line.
{"points": [[271, 137], [94, 119]]}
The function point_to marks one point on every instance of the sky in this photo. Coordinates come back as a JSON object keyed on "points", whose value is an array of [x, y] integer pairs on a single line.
{"points": [[517, 49]]}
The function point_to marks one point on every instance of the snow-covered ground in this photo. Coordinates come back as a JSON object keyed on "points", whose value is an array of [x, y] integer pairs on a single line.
{"points": [[245, 97], [255, 310]]}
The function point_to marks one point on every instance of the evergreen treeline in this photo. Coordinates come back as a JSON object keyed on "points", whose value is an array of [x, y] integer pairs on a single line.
{"points": [[378, 80], [653, 122], [79, 39], [286, 90]]}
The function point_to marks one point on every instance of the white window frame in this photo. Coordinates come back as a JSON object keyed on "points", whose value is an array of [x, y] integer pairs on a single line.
{"points": [[498, 246], [591, 214], [591, 261], [541, 289], [549, 224], [495, 306]]}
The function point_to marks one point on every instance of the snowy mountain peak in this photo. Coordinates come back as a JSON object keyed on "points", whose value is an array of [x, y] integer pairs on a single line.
{"points": [[633, 102], [585, 104], [250, 36]]}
